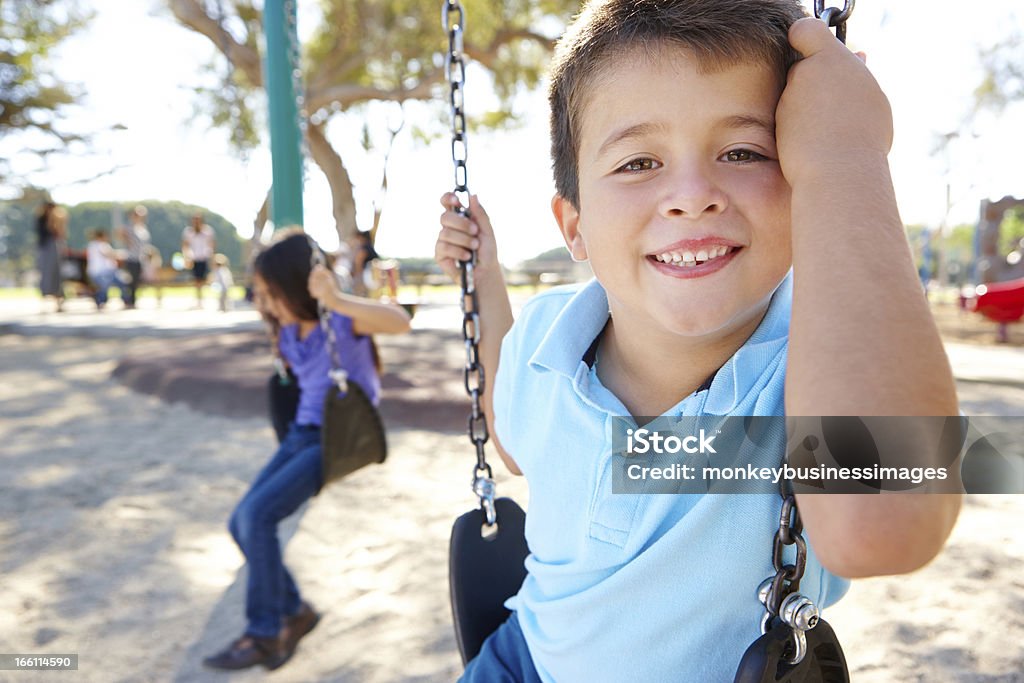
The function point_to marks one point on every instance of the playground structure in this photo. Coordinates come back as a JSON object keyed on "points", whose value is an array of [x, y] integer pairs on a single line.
{"points": [[997, 298], [991, 266]]}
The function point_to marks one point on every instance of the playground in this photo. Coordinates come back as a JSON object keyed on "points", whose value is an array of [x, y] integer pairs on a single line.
{"points": [[115, 500], [143, 531]]}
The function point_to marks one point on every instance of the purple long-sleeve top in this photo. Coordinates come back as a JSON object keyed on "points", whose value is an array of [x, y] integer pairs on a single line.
{"points": [[310, 360]]}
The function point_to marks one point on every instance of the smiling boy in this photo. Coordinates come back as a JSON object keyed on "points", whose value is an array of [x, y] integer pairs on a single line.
{"points": [[695, 164]]}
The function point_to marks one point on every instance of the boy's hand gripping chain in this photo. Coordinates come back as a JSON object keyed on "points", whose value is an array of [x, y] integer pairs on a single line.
{"points": [[452, 20], [833, 16]]}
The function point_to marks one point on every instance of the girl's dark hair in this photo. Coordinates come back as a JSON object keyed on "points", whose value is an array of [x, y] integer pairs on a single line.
{"points": [[284, 267]]}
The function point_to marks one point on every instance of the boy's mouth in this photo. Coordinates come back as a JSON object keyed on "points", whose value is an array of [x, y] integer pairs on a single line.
{"points": [[694, 257]]}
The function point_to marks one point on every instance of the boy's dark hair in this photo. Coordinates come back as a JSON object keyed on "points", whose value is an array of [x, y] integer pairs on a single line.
{"points": [[719, 33], [285, 266]]}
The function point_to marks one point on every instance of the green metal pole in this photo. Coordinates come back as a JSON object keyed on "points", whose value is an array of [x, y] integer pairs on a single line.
{"points": [[279, 20]]}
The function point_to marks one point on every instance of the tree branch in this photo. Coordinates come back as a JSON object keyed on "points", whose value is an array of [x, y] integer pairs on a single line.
{"points": [[487, 55], [347, 94], [242, 57], [329, 161]]}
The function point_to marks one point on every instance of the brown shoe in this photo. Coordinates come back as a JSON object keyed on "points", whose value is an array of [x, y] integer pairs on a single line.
{"points": [[297, 626], [250, 651]]}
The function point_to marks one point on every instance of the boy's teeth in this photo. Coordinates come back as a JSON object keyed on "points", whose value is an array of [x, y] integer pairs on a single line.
{"points": [[688, 258]]}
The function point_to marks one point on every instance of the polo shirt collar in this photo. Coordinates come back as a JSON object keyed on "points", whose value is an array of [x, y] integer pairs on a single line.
{"points": [[573, 330], [585, 315], [743, 371]]}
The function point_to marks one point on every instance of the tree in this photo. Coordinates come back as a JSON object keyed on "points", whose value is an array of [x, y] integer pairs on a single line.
{"points": [[366, 51], [1003, 81], [32, 99]]}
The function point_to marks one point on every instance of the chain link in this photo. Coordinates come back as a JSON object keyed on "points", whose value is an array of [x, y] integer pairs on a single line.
{"points": [[833, 16], [452, 18], [787, 576], [453, 22]]}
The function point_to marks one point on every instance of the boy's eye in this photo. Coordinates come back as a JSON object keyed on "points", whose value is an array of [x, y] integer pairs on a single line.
{"points": [[743, 155], [642, 164]]}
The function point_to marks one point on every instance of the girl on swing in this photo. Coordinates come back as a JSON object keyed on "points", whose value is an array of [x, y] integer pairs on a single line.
{"points": [[287, 291]]}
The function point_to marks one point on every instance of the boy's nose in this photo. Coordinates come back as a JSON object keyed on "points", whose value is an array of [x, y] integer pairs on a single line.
{"points": [[691, 193]]}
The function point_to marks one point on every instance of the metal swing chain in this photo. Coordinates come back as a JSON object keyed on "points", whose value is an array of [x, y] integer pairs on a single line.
{"points": [[833, 16], [336, 373], [453, 22], [778, 593], [316, 257]]}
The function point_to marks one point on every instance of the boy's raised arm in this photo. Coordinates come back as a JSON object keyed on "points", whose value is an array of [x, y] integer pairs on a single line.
{"points": [[458, 235], [862, 340]]}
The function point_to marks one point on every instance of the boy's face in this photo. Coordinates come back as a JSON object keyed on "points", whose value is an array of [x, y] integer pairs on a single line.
{"points": [[684, 213]]}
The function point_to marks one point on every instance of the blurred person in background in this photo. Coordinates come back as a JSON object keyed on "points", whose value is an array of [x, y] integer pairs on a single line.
{"points": [[51, 230]]}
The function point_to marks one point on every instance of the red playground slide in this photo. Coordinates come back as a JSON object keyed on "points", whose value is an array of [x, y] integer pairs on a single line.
{"points": [[1001, 302]]}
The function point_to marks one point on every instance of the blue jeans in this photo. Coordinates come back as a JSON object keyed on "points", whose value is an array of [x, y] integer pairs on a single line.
{"points": [[504, 658], [292, 477], [103, 282]]}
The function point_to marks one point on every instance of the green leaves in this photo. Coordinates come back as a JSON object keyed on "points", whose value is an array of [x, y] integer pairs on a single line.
{"points": [[31, 96]]}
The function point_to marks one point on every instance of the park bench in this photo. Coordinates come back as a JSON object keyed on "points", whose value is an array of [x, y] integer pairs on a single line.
{"points": [[167, 277]]}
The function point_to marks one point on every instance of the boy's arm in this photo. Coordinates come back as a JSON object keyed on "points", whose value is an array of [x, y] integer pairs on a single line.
{"points": [[458, 235], [368, 316], [862, 340]]}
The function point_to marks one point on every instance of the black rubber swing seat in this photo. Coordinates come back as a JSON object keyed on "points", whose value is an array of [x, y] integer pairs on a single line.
{"points": [[352, 433], [283, 402], [484, 572]]}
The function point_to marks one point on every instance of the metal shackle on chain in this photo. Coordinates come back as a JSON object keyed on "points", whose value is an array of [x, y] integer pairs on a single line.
{"points": [[779, 593], [835, 17]]}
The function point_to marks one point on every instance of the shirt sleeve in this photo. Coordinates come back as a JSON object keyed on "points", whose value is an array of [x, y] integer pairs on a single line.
{"points": [[511, 365]]}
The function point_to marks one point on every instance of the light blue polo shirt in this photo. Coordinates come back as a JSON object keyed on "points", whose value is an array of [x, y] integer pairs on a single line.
{"points": [[632, 587]]}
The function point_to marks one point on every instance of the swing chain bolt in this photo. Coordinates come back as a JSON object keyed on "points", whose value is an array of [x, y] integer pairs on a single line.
{"points": [[801, 615], [799, 612], [764, 591], [339, 377], [484, 488]]}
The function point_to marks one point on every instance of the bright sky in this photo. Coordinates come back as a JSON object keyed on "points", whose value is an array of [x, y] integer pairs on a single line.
{"points": [[138, 66]]}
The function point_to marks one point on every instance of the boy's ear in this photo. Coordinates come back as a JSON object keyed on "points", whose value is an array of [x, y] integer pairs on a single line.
{"points": [[568, 218]]}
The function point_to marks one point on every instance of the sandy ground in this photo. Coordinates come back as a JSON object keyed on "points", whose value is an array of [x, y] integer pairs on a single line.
{"points": [[113, 545]]}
